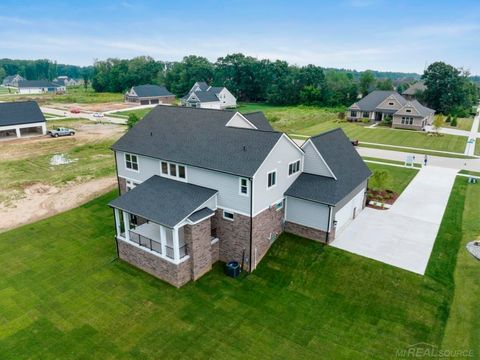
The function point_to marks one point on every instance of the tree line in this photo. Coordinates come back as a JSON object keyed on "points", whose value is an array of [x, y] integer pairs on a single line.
{"points": [[42, 69]]}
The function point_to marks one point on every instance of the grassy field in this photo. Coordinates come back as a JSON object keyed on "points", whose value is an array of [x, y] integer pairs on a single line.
{"points": [[76, 94], [4, 90], [399, 178], [139, 112], [306, 120], [462, 124], [66, 297]]}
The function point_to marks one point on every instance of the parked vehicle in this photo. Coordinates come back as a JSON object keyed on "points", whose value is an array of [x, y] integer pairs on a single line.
{"points": [[354, 142], [98, 115], [75, 111], [61, 132]]}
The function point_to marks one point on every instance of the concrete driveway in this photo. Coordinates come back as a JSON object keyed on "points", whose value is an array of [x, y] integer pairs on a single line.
{"points": [[403, 236]]}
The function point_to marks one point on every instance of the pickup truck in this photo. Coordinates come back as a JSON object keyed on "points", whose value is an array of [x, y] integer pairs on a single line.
{"points": [[61, 132]]}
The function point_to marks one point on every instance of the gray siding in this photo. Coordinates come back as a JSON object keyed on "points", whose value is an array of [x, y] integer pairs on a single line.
{"points": [[313, 164], [307, 213], [282, 154], [350, 196]]}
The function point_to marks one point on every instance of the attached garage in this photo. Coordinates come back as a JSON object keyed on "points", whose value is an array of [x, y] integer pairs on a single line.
{"points": [[345, 213], [149, 95], [21, 119]]}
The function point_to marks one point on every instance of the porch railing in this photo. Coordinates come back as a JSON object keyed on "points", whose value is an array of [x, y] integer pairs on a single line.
{"points": [[169, 250], [156, 246]]}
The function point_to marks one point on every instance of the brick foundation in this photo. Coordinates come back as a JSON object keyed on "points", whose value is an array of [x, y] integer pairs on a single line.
{"points": [[177, 275], [198, 239], [308, 232]]}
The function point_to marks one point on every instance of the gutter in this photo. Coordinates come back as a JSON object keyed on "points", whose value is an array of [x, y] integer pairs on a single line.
{"points": [[251, 224], [329, 222]]}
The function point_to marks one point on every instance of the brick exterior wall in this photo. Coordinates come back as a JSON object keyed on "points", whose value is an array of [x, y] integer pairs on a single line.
{"points": [[177, 275], [197, 238], [234, 237], [215, 251], [266, 225], [308, 232], [122, 184]]}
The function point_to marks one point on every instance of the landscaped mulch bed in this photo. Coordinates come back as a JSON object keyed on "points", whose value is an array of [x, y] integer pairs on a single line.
{"points": [[381, 196]]}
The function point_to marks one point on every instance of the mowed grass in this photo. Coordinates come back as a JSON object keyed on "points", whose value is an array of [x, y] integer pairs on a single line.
{"points": [[462, 124], [67, 297], [398, 179], [311, 120], [76, 94], [139, 112]]}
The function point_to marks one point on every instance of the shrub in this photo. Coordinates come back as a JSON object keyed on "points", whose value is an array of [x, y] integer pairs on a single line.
{"points": [[449, 119], [341, 115], [380, 179], [454, 121], [132, 120], [365, 120]]}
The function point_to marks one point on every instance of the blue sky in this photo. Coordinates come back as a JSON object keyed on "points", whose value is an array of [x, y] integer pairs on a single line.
{"points": [[355, 34]]}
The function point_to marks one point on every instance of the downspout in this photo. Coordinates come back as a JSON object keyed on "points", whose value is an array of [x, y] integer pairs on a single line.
{"points": [[115, 227], [251, 225], [116, 171], [328, 225]]}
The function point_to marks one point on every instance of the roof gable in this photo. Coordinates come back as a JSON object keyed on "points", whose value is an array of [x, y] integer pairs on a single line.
{"points": [[240, 121], [372, 100], [392, 103]]}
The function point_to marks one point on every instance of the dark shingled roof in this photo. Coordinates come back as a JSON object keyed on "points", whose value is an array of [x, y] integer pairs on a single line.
{"points": [[201, 214], [419, 86], [342, 158], [372, 100], [21, 112], [151, 91], [423, 110], [37, 83], [203, 85], [206, 96], [259, 120], [163, 201], [199, 137]]}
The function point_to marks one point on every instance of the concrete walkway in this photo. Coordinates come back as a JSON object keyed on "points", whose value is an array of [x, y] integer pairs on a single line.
{"points": [[470, 148], [403, 236]]}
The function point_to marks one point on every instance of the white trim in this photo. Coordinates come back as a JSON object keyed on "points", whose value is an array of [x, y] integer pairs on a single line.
{"points": [[268, 177], [299, 167], [226, 218], [185, 220], [321, 157], [118, 226], [127, 178], [240, 186], [161, 256], [199, 221], [243, 117], [125, 162], [177, 165], [268, 207]]}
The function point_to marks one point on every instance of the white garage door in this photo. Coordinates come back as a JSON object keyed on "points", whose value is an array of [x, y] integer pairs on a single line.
{"points": [[349, 211]]}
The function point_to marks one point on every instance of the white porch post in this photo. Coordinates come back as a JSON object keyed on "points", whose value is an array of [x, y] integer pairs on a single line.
{"points": [[176, 245], [126, 225], [17, 132], [163, 240], [117, 222]]}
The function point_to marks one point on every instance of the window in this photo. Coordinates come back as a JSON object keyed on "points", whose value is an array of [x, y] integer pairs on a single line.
{"points": [[131, 162], [294, 167], [164, 168], [408, 110], [353, 113], [391, 103], [279, 205], [173, 170], [228, 215], [272, 179], [366, 114], [243, 186], [131, 185], [407, 120]]}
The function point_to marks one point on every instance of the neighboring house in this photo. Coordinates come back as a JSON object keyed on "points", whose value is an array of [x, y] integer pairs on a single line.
{"points": [[199, 185], [66, 81], [21, 119], [204, 96], [380, 104], [12, 80], [39, 87], [149, 94], [412, 92]]}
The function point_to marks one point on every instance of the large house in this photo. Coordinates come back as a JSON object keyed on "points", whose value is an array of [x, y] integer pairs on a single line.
{"points": [[149, 94], [21, 119], [12, 80], [413, 90], [67, 81], [199, 185], [40, 87], [380, 105], [202, 95]]}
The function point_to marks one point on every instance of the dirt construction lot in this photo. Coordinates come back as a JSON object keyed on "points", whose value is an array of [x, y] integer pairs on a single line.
{"points": [[42, 176]]}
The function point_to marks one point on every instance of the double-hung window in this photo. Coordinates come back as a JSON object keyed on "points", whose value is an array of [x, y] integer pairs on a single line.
{"points": [[173, 170], [294, 167], [272, 179], [131, 162], [243, 186]]}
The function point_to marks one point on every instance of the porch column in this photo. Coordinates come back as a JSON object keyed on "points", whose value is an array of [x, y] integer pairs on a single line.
{"points": [[163, 240], [17, 132], [126, 225], [176, 245], [118, 230]]}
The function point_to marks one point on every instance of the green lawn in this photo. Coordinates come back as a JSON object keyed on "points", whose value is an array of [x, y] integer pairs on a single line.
{"points": [[66, 297], [394, 162], [399, 178], [139, 112], [4, 90], [76, 94], [462, 124], [310, 120]]}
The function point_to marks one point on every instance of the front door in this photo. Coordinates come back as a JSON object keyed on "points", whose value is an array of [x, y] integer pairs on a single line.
{"points": [[378, 116]]}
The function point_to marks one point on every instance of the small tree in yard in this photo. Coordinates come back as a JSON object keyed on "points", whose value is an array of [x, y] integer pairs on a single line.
{"points": [[454, 121], [449, 119], [132, 120], [379, 180], [437, 122]]}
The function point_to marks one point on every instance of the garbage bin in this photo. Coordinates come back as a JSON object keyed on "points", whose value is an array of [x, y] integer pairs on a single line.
{"points": [[232, 268]]}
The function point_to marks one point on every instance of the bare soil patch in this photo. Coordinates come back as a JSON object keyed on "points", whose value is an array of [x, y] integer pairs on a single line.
{"points": [[41, 201]]}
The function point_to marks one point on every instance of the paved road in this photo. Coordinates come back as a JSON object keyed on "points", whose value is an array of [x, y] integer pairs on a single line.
{"points": [[403, 236]]}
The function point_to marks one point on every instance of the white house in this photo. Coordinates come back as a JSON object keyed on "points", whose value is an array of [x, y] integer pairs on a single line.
{"points": [[209, 97], [40, 87], [198, 186], [21, 119]]}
